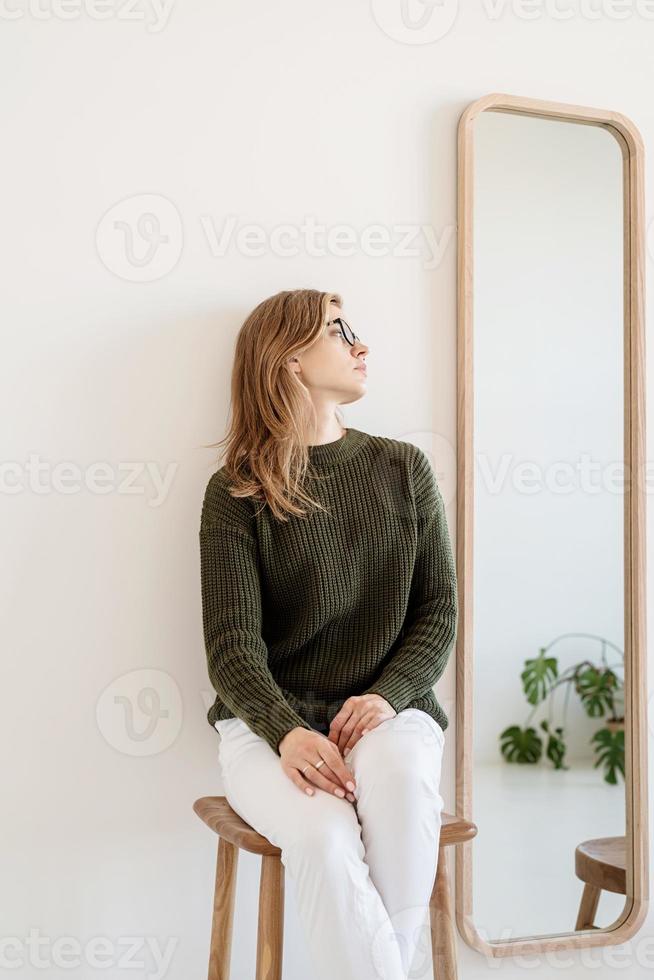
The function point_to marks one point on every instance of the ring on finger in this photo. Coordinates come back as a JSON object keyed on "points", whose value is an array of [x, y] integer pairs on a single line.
{"points": [[317, 765]]}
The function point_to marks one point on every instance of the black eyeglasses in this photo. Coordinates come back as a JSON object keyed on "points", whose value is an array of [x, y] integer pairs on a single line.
{"points": [[346, 330]]}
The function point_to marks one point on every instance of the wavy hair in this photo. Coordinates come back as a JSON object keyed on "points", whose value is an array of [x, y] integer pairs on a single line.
{"points": [[272, 414]]}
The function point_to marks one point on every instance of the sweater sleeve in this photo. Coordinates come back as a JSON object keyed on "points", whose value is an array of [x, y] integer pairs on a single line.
{"points": [[430, 624], [237, 656]]}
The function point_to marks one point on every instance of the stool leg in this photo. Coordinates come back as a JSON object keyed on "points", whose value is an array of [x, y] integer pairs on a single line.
{"points": [[223, 910], [270, 935], [588, 907], [443, 941]]}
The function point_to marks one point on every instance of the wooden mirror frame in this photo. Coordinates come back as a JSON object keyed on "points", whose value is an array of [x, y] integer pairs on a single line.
{"points": [[635, 663]]}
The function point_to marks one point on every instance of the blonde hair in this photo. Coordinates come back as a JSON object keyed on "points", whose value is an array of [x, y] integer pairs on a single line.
{"points": [[272, 414]]}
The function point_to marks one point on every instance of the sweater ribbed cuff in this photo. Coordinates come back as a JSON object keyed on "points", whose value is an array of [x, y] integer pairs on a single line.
{"points": [[397, 689], [280, 720]]}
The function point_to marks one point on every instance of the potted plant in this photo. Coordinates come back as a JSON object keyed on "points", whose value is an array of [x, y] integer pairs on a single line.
{"points": [[600, 688]]}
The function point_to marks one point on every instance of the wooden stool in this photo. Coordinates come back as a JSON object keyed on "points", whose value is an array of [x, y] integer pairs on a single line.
{"points": [[600, 864], [235, 833]]}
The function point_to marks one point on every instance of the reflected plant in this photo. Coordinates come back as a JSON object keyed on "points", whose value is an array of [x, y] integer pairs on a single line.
{"points": [[600, 690]]}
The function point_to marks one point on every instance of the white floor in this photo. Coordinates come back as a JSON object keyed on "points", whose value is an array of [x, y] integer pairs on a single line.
{"points": [[530, 820]]}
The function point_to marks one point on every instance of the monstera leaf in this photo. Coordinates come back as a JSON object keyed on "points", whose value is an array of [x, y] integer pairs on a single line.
{"points": [[609, 749], [596, 689], [520, 744], [556, 747], [539, 673]]}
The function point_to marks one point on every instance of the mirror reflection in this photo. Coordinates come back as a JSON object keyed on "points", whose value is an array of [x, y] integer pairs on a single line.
{"points": [[548, 554]]}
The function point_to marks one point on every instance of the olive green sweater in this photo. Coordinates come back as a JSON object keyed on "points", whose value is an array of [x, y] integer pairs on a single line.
{"points": [[299, 616]]}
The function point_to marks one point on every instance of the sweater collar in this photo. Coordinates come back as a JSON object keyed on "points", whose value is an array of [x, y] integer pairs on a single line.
{"points": [[332, 453]]}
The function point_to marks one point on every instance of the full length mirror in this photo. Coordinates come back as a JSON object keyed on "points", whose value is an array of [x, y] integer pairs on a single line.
{"points": [[552, 563]]}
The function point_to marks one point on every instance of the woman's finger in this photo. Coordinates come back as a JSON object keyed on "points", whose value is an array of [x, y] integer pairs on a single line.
{"points": [[333, 775], [346, 732], [296, 777], [366, 722], [329, 785]]}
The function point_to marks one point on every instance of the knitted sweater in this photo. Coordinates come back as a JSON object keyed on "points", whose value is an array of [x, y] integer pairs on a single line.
{"points": [[299, 616]]}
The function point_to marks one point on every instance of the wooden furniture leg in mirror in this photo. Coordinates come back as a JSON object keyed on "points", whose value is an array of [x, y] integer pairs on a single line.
{"points": [[600, 864], [235, 833]]}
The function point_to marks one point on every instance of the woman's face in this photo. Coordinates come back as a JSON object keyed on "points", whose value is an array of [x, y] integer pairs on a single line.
{"points": [[331, 368]]}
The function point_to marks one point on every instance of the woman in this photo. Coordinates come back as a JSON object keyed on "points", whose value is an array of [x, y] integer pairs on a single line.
{"points": [[330, 610]]}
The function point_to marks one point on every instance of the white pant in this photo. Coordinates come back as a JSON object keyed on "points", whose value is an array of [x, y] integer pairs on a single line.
{"points": [[362, 872]]}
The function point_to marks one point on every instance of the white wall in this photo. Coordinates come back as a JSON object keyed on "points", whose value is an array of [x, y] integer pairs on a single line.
{"points": [[117, 349]]}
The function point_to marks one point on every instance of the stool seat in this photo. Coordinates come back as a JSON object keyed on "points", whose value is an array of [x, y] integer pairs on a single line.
{"points": [[601, 864], [235, 834], [218, 815]]}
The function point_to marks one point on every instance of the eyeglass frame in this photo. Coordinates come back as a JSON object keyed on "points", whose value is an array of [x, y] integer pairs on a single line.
{"points": [[342, 324]]}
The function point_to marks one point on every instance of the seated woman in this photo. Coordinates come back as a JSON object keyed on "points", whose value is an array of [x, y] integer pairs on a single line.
{"points": [[329, 610]]}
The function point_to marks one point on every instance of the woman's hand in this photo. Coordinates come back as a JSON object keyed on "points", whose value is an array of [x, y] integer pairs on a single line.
{"points": [[300, 749], [358, 715]]}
